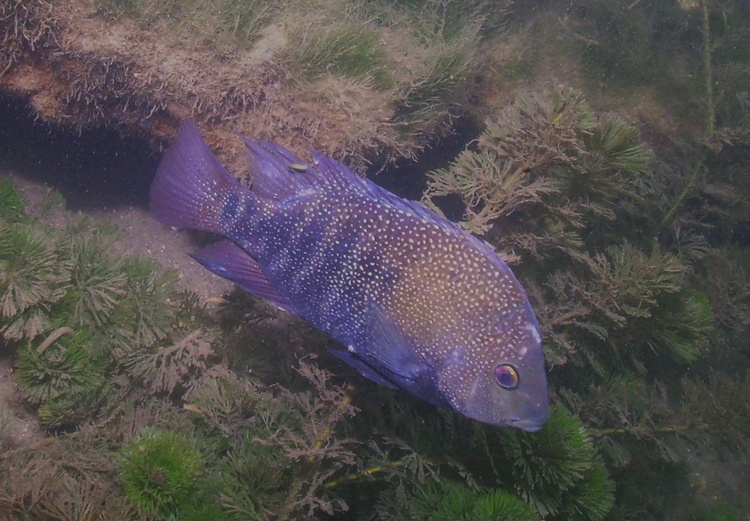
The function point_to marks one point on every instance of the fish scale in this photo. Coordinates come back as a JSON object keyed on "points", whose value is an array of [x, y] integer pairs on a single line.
{"points": [[418, 303]]}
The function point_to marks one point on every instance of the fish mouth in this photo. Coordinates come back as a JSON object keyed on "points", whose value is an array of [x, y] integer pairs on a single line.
{"points": [[527, 425]]}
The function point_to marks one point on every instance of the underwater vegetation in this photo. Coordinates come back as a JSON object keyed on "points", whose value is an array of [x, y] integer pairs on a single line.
{"points": [[160, 471], [631, 241], [576, 201], [145, 412]]}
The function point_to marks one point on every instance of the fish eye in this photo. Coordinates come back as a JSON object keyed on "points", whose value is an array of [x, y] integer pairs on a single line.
{"points": [[506, 376]]}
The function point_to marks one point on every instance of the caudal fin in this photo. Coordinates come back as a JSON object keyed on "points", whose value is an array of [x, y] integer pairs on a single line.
{"points": [[192, 189]]}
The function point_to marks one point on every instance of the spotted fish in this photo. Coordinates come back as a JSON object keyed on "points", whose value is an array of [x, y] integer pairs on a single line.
{"points": [[417, 303]]}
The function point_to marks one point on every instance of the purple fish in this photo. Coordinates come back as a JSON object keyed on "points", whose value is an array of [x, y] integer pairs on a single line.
{"points": [[418, 303]]}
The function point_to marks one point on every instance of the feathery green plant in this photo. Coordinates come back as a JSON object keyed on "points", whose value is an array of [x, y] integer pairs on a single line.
{"points": [[31, 279], [97, 282], [557, 470], [256, 478], [62, 369], [146, 314], [544, 160], [160, 471], [12, 202], [449, 501]]}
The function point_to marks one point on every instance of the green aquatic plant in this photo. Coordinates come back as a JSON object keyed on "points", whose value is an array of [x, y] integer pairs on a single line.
{"points": [[238, 24], [12, 202], [684, 322], [348, 50], [96, 280], [549, 162], [219, 23], [622, 306], [31, 279], [160, 471], [225, 402], [437, 87], [63, 411], [286, 446], [256, 479], [557, 470], [449, 501], [716, 410], [476, 470], [145, 315], [58, 367], [725, 280], [166, 369]]}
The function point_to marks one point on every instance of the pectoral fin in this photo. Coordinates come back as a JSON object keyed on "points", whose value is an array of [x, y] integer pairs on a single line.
{"points": [[391, 349]]}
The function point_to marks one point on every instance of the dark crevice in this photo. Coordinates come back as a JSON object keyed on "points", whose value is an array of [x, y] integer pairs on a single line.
{"points": [[408, 177], [99, 169], [94, 169]]}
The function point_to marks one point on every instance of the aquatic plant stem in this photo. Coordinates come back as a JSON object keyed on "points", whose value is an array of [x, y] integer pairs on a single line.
{"points": [[639, 431], [320, 439], [52, 338], [708, 70], [685, 192], [710, 117], [362, 475]]}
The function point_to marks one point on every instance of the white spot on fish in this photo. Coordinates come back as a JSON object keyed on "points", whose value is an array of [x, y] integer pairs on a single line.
{"points": [[534, 333]]}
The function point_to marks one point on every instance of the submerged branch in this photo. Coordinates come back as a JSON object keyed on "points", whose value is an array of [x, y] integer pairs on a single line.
{"points": [[52, 338], [710, 117], [641, 431], [356, 476]]}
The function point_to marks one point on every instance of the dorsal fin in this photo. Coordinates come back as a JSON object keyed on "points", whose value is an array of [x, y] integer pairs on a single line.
{"points": [[279, 174]]}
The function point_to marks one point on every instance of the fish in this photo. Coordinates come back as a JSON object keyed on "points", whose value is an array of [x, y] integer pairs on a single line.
{"points": [[416, 303]]}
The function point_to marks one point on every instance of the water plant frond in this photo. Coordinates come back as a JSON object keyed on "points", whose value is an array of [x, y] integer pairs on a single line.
{"points": [[62, 369], [97, 281], [30, 274], [173, 367], [146, 314], [12, 202], [160, 472]]}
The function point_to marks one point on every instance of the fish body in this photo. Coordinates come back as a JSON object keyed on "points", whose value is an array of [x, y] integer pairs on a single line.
{"points": [[418, 303]]}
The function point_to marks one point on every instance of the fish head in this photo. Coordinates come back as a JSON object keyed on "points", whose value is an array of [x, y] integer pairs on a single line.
{"points": [[502, 384]]}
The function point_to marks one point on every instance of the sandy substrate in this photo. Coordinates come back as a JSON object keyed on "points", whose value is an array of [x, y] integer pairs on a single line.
{"points": [[143, 236]]}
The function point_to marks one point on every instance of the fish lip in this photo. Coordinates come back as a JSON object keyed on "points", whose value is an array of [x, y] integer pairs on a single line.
{"points": [[527, 425]]}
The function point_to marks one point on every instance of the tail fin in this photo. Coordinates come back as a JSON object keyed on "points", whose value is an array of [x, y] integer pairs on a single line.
{"points": [[192, 189]]}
